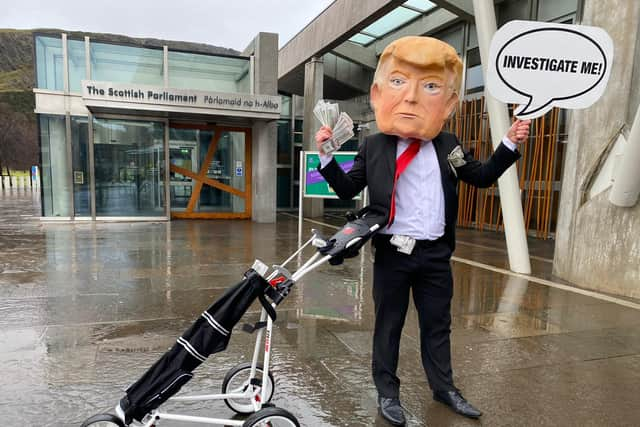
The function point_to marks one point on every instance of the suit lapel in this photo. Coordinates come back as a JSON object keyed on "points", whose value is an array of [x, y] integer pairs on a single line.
{"points": [[441, 152], [389, 152]]}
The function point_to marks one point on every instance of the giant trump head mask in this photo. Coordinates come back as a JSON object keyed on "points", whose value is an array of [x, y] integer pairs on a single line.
{"points": [[415, 87]]}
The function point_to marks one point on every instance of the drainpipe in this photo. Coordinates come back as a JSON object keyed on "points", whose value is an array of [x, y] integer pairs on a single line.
{"points": [[626, 185], [514, 231]]}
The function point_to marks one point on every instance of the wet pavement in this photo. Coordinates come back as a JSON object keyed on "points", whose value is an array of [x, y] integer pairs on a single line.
{"points": [[86, 308]]}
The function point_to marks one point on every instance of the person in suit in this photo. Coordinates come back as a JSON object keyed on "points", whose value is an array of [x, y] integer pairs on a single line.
{"points": [[412, 169]]}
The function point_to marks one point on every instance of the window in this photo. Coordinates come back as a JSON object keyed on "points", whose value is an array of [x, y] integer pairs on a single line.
{"points": [[129, 167], [80, 163], [77, 64], [49, 63], [392, 21], [474, 80], [207, 72], [56, 191], [126, 64]]}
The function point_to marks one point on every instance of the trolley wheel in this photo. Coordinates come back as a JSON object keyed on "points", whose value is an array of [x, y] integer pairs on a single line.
{"points": [[103, 420], [271, 417], [237, 381]]}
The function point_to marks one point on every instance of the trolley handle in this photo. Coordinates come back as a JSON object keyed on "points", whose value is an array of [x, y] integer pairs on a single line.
{"points": [[346, 243]]}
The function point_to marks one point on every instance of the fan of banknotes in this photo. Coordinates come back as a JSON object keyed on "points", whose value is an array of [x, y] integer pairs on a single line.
{"points": [[340, 123]]}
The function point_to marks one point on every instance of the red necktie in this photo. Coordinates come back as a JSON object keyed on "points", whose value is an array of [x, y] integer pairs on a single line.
{"points": [[401, 164]]}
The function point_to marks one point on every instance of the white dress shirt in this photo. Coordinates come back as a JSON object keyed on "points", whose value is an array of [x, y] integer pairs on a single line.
{"points": [[419, 196]]}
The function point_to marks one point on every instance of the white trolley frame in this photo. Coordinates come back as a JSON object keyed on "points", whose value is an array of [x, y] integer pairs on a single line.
{"points": [[252, 395]]}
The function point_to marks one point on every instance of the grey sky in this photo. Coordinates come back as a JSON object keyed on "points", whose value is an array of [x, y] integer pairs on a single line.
{"points": [[225, 23]]}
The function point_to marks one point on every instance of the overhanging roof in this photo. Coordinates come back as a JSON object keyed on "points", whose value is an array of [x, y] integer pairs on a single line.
{"points": [[336, 24], [337, 27]]}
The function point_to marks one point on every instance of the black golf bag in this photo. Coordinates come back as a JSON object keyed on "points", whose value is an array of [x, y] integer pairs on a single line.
{"points": [[209, 334]]}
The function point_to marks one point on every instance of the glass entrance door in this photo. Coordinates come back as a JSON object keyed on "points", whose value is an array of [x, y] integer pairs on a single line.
{"points": [[209, 172], [129, 168]]}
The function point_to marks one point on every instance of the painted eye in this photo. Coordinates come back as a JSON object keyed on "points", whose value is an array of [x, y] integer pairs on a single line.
{"points": [[396, 81], [432, 88]]}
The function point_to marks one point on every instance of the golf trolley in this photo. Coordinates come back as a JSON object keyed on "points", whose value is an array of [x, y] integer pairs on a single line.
{"points": [[248, 387]]}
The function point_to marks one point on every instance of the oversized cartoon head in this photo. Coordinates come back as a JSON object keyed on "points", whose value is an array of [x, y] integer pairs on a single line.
{"points": [[415, 87]]}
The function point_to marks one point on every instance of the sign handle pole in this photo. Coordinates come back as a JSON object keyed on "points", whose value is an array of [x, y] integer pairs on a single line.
{"points": [[300, 189], [514, 230]]}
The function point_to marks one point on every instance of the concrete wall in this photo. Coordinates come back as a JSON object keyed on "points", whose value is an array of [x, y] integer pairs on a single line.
{"points": [[347, 72], [597, 243], [635, 84], [313, 85], [264, 133]]}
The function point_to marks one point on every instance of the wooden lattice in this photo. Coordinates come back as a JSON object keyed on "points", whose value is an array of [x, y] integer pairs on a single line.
{"points": [[539, 171]]}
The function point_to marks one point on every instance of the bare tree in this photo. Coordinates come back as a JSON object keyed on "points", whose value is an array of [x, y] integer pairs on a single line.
{"points": [[18, 141]]}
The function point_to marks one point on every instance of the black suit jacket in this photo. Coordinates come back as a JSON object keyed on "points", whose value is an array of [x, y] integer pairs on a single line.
{"points": [[375, 166]]}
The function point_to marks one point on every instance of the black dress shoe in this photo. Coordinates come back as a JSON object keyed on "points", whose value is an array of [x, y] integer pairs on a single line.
{"points": [[391, 410], [455, 401]]}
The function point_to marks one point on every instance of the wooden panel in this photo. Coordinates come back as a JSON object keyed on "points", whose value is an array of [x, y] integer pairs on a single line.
{"points": [[200, 179]]}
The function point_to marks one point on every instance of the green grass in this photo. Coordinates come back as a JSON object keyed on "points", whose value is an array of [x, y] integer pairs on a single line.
{"points": [[19, 79]]}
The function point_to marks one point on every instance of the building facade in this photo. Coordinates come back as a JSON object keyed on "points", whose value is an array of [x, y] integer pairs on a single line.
{"points": [[130, 132]]}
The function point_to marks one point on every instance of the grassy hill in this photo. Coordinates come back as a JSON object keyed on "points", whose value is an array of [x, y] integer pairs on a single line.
{"points": [[16, 60]]}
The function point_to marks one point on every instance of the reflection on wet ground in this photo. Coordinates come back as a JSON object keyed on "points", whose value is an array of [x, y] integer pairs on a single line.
{"points": [[86, 308]]}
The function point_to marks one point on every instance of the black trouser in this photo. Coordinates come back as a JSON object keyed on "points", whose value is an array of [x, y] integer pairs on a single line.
{"points": [[427, 273]]}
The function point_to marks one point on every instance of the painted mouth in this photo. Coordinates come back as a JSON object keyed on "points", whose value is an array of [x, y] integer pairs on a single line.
{"points": [[407, 115]]}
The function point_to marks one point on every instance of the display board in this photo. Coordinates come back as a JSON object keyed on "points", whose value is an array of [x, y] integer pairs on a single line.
{"points": [[314, 184]]}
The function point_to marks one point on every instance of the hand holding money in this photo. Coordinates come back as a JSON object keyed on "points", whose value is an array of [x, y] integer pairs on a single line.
{"points": [[337, 128]]}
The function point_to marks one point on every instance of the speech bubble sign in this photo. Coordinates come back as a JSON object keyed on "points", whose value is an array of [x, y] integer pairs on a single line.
{"points": [[542, 65]]}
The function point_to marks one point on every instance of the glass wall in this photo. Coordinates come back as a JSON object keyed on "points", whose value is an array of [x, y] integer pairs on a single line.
{"points": [[77, 64], [126, 64], [129, 167], [185, 147], [283, 191], [56, 189], [474, 80], [210, 73], [285, 110], [49, 63], [129, 64], [80, 163], [227, 167]]}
